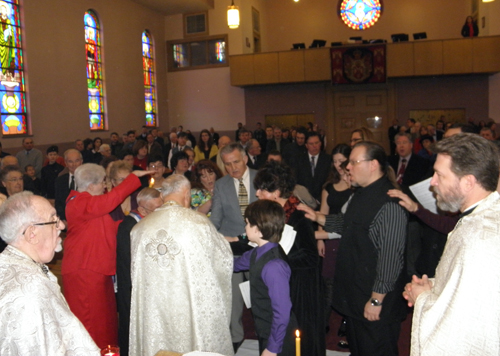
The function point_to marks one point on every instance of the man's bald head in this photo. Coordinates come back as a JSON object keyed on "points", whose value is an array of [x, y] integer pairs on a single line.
{"points": [[224, 141], [9, 161]]}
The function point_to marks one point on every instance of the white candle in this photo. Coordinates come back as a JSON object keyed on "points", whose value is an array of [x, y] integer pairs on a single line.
{"points": [[297, 343]]}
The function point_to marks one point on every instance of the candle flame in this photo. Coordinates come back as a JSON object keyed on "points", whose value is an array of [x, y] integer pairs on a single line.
{"points": [[297, 333], [151, 182]]}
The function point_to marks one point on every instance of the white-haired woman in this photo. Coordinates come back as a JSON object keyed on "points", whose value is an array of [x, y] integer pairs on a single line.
{"points": [[89, 260]]}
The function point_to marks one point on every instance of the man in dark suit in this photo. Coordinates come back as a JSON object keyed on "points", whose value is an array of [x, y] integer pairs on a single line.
{"points": [[256, 159], [392, 132], [237, 132], [232, 194], [278, 143], [143, 134], [65, 183], [293, 151], [169, 146], [115, 144], [160, 140], [260, 135], [436, 135], [409, 168], [315, 166]]}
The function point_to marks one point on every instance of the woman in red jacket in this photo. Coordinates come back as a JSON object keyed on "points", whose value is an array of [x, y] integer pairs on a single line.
{"points": [[89, 260]]}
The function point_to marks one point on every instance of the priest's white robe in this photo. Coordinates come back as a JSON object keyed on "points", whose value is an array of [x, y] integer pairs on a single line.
{"points": [[460, 315], [181, 284], [34, 316]]}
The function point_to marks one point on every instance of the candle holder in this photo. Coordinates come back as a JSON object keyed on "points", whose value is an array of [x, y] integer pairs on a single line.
{"points": [[110, 350]]}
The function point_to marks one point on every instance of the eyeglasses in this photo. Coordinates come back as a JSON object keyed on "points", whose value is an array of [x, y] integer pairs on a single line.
{"points": [[13, 180], [56, 222], [353, 163]]}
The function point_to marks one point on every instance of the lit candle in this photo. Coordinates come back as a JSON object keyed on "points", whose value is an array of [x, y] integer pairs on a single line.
{"points": [[111, 351], [151, 182], [297, 343]]}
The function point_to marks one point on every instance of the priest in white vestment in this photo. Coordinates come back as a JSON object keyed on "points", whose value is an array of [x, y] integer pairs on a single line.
{"points": [[181, 279], [34, 316], [458, 312]]}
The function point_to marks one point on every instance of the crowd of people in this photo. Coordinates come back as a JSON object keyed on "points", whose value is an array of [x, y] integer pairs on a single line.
{"points": [[161, 233]]}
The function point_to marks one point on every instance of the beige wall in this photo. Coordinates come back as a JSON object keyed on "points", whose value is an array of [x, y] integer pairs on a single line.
{"points": [[56, 76], [291, 22], [202, 98]]}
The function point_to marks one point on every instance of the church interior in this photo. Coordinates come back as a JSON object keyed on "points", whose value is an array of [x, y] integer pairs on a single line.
{"points": [[54, 61], [261, 78]]}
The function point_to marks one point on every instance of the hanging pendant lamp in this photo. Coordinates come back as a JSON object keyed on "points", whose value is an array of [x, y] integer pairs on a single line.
{"points": [[233, 16]]}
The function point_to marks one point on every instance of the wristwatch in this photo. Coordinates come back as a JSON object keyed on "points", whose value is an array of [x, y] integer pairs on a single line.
{"points": [[375, 302]]}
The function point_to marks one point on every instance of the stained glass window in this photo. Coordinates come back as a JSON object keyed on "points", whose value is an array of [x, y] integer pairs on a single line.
{"points": [[206, 52], [360, 14], [12, 81], [95, 83], [148, 66]]}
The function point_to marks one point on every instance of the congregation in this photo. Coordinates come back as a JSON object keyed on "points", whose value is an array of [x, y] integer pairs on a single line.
{"points": [[160, 231]]}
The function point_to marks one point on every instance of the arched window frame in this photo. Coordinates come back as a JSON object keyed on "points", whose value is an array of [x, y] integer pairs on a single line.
{"points": [[14, 116], [95, 82], [148, 67]]}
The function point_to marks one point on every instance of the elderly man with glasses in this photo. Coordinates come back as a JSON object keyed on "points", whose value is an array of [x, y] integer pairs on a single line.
{"points": [[34, 316]]}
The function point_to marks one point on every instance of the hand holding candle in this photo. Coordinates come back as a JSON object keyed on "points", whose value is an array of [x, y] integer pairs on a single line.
{"points": [[297, 343]]}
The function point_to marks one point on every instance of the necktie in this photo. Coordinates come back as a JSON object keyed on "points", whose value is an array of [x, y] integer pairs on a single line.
{"points": [[242, 197], [401, 171], [72, 184], [312, 165]]}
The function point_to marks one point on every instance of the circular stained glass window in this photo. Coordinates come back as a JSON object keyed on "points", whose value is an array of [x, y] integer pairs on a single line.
{"points": [[360, 14]]}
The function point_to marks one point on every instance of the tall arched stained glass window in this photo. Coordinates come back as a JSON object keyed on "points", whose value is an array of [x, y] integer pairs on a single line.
{"points": [[95, 83], [148, 67], [12, 85]]}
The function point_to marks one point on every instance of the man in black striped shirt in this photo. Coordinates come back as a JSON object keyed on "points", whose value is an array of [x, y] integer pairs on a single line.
{"points": [[369, 273]]}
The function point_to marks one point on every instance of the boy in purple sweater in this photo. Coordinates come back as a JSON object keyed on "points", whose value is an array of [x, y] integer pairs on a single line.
{"points": [[269, 279]]}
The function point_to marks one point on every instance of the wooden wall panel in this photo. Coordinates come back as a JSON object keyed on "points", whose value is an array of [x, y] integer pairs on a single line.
{"points": [[266, 68], [407, 59], [486, 54], [242, 70], [291, 66], [317, 64], [400, 59], [428, 57], [457, 56]]}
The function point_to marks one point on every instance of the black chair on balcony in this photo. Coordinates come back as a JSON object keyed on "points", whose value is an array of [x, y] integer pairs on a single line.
{"points": [[399, 37], [420, 36], [317, 44], [299, 45]]}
